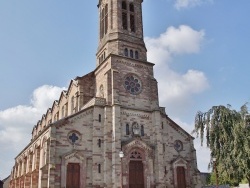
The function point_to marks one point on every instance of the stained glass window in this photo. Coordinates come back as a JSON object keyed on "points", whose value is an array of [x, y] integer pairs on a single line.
{"points": [[132, 84]]}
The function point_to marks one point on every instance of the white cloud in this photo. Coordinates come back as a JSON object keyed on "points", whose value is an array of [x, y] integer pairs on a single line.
{"points": [[43, 96], [16, 123], [174, 41], [179, 4], [175, 89]]}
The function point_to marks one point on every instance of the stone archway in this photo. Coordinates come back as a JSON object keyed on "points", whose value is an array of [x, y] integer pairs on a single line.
{"points": [[137, 165]]}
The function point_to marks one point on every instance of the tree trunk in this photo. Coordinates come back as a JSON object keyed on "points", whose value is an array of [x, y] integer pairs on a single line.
{"points": [[248, 179]]}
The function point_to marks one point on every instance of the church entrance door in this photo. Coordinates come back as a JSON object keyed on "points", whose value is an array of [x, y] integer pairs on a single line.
{"points": [[73, 175], [181, 180], [136, 175]]}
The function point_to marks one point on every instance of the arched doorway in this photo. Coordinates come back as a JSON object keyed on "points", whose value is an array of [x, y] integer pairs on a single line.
{"points": [[136, 170], [137, 164]]}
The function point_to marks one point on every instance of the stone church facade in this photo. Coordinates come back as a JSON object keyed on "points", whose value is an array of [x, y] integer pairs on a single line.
{"points": [[107, 129]]}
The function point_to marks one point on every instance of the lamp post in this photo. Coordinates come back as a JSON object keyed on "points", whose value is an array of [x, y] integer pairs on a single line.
{"points": [[216, 174], [121, 155]]}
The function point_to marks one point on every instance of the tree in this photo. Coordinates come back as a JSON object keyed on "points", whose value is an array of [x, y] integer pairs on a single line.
{"points": [[227, 133]]}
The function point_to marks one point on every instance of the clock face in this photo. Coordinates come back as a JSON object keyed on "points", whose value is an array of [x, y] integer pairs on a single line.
{"points": [[133, 84]]}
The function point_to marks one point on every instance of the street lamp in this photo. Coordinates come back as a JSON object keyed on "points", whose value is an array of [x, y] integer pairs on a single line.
{"points": [[216, 174], [121, 155]]}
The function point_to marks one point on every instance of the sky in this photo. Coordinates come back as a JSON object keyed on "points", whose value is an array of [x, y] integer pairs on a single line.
{"points": [[200, 49]]}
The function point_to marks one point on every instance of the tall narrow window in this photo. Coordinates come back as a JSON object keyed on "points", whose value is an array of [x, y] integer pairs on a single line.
{"points": [[136, 55], [76, 106], [102, 23], [124, 5], [163, 147], [66, 110], [131, 53], [127, 129], [132, 17], [100, 118], [124, 15], [124, 21], [62, 111], [131, 7], [162, 125], [72, 104], [142, 130], [132, 23], [126, 52], [44, 153], [99, 143], [106, 19], [99, 168]]}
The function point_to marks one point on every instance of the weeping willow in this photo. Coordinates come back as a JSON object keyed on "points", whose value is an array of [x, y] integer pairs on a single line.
{"points": [[227, 134]]}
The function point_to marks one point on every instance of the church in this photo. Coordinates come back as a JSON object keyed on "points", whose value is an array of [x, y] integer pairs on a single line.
{"points": [[107, 129]]}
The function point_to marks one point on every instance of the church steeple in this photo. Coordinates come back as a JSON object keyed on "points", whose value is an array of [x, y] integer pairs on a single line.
{"points": [[120, 29]]}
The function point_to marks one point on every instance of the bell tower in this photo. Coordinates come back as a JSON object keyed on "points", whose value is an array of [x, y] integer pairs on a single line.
{"points": [[120, 30]]}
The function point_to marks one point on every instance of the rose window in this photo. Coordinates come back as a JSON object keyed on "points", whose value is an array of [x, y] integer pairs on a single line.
{"points": [[74, 137], [132, 84], [178, 146]]}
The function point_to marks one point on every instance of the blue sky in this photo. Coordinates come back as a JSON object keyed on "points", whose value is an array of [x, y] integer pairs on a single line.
{"points": [[200, 48]]}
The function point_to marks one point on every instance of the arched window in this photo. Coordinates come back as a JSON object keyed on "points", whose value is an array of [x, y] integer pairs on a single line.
{"points": [[104, 21], [127, 129], [126, 52], [136, 55], [131, 53], [142, 130], [124, 16], [132, 17]]}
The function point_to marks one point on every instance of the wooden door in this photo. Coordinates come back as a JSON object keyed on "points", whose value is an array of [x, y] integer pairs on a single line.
{"points": [[136, 175], [73, 175], [181, 179]]}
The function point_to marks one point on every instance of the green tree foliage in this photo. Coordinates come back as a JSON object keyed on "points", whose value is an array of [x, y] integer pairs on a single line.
{"points": [[227, 134]]}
